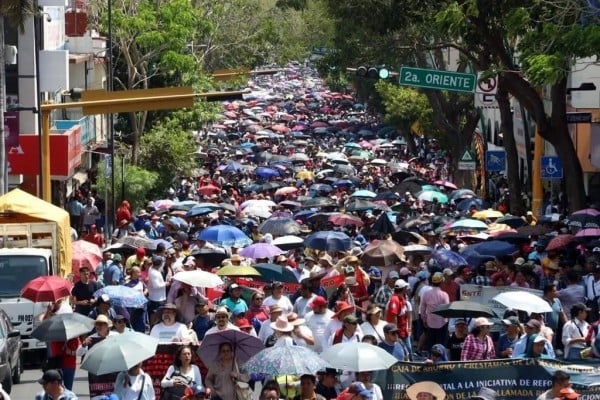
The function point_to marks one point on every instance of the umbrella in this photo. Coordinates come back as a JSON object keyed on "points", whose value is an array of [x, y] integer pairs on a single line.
{"points": [[464, 309], [258, 211], [386, 196], [285, 360], [496, 229], [329, 241], [244, 345], [382, 253], [118, 353], [288, 242], [383, 225], [122, 296], [275, 272], [266, 173], [321, 187], [286, 190], [138, 241], [210, 256], [407, 237], [493, 248], [469, 224], [63, 327], [361, 205], [85, 254], [164, 204], [523, 301], [46, 288], [559, 241], [198, 278], [584, 221], [550, 218], [417, 249], [446, 184], [355, 356], [224, 235], [317, 202], [237, 270], [364, 193], [304, 174], [514, 238], [260, 250], [416, 223], [588, 233], [487, 214], [462, 194], [512, 221], [466, 204], [431, 195], [448, 259], [207, 190], [532, 230], [279, 226], [345, 219]]}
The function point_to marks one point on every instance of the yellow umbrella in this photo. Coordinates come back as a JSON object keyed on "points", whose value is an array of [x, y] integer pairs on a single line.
{"points": [[238, 270], [487, 214], [304, 175], [496, 229]]}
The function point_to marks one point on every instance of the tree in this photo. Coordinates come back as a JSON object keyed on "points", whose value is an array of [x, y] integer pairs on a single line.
{"points": [[16, 12]]}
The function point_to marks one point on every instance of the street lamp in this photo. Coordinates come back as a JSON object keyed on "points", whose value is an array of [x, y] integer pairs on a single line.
{"points": [[583, 87]]}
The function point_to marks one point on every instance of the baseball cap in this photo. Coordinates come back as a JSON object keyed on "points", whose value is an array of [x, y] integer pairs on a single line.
{"points": [[318, 301], [51, 375], [460, 321], [234, 286], [520, 261], [483, 321], [158, 260], [448, 272], [511, 321], [351, 318], [400, 284], [388, 328], [534, 323], [539, 338], [393, 275], [201, 301], [362, 390], [596, 250], [404, 271], [117, 257]]}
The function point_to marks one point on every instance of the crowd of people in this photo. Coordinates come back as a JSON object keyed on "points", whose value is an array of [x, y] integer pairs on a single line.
{"points": [[323, 149]]}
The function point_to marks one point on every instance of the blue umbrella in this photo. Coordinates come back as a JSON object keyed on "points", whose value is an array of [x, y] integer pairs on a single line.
{"points": [[196, 211], [490, 248], [233, 167], [364, 193], [166, 244], [330, 241], [224, 235], [343, 182], [266, 173], [275, 272], [303, 215], [448, 259], [466, 204], [122, 296]]}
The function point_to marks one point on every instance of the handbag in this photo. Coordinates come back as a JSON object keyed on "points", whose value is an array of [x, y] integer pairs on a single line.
{"points": [[242, 391]]}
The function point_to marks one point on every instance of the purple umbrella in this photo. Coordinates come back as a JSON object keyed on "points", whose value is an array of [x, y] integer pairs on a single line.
{"points": [[588, 233], [260, 250], [448, 259]]}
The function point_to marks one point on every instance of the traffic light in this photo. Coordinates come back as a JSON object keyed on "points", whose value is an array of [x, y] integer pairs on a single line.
{"points": [[372, 72]]}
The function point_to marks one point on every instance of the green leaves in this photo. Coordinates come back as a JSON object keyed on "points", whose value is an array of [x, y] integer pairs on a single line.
{"points": [[403, 106]]}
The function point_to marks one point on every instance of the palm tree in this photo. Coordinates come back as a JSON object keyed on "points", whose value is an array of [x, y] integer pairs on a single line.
{"points": [[16, 12]]}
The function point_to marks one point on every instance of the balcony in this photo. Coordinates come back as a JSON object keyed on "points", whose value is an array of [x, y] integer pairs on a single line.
{"points": [[88, 131]]}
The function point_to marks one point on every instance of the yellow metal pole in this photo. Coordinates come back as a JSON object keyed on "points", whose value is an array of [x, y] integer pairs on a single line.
{"points": [[537, 189], [46, 182]]}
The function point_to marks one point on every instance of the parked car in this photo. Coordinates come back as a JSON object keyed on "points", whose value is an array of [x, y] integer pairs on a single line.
{"points": [[10, 353]]}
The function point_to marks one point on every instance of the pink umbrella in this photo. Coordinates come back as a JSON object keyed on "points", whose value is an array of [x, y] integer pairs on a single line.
{"points": [[346, 219], [588, 233], [208, 190], [164, 204], [559, 242], [319, 124], [365, 144], [230, 114], [85, 254], [280, 128], [286, 190], [446, 184], [299, 127], [260, 250]]}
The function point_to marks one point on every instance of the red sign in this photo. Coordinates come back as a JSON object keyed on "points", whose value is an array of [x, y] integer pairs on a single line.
{"points": [[65, 154], [332, 283]]}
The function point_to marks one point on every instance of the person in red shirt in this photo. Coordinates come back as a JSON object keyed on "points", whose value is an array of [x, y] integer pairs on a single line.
{"points": [[93, 236], [398, 313], [68, 360], [124, 211], [449, 285]]}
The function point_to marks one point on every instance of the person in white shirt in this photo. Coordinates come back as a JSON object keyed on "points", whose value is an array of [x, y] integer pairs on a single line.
{"points": [[157, 287], [348, 332], [265, 328], [301, 334], [575, 331], [134, 384], [302, 303], [283, 331], [169, 330], [342, 310], [222, 322], [317, 321], [279, 299]]}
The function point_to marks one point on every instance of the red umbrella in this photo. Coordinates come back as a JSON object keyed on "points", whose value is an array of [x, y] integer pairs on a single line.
{"points": [[446, 184], [345, 219], [46, 288], [280, 128], [559, 242], [286, 190], [208, 190]]}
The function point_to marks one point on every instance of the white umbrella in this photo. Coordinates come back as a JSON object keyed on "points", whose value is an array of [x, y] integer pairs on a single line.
{"points": [[257, 203], [523, 301], [355, 356], [120, 352], [417, 249], [258, 211], [198, 278], [287, 240], [379, 161]]}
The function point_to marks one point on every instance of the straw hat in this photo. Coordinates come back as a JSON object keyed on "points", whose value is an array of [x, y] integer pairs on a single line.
{"points": [[425, 387], [282, 325], [340, 307], [103, 319], [294, 319]]}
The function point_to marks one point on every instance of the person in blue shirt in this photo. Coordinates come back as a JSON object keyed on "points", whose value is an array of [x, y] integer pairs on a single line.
{"points": [[113, 274], [390, 342], [234, 302]]}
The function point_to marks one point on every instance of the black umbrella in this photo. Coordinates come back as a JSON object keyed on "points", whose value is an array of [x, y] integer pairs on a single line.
{"points": [[211, 257], [316, 202], [464, 309], [414, 223], [384, 225], [514, 238], [511, 220], [361, 205], [386, 196], [406, 237]]}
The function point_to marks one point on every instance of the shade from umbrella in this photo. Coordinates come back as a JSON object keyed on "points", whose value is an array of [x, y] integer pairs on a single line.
{"points": [[278, 226], [559, 241], [355, 356], [382, 253], [211, 257], [238, 270], [63, 327], [198, 278], [523, 301], [490, 248], [285, 360], [224, 235], [118, 353], [330, 241], [448, 259], [244, 346], [533, 230], [123, 296], [85, 254], [275, 272], [464, 309], [46, 288], [345, 219], [260, 250]]}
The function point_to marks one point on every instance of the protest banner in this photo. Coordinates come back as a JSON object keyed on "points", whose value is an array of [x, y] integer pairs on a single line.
{"points": [[523, 379], [331, 283]]}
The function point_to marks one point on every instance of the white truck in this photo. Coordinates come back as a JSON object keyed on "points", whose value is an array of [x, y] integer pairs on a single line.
{"points": [[27, 250]]}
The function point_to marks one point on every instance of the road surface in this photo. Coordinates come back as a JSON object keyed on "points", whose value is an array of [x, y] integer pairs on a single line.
{"points": [[29, 387]]}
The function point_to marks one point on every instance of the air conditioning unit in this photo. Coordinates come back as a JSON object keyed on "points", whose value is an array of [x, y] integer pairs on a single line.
{"points": [[10, 55]]}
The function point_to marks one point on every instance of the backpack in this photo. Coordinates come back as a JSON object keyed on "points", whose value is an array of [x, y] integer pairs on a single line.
{"points": [[178, 391]]}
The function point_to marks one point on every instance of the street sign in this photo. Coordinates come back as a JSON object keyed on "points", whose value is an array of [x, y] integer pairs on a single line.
{"points": [[495, 160], [579, 118], [487, 86], [467, 161], [551, 168], [435, 79]]}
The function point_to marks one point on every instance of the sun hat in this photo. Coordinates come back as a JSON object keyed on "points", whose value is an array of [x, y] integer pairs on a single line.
{"points": [[294, 319], [425, 387], [282, 325], [350, 318], [340, 307], [482, 321], [373, 309], [103, 319]]}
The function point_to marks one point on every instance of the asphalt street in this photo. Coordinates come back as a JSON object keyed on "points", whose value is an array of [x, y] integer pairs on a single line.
{"points": [[29, 387]]}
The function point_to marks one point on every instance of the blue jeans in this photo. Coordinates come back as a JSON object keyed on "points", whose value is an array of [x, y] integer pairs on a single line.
{"points": [[407, 344], [68, 377], [138, 319]]}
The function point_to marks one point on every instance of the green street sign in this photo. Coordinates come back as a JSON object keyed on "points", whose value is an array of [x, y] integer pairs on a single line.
{"points": [[435, 79]]}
